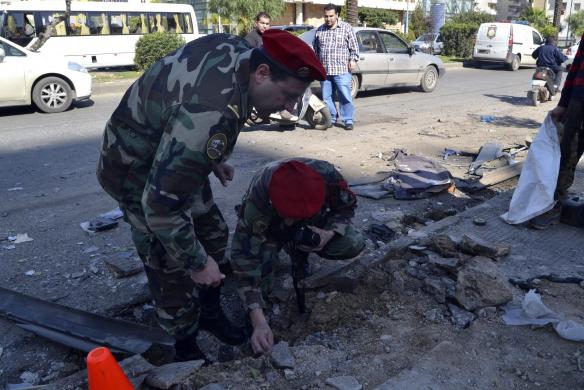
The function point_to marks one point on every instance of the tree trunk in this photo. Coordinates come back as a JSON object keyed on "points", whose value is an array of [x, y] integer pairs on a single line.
{"points": [[352, 13], [50, 28]]}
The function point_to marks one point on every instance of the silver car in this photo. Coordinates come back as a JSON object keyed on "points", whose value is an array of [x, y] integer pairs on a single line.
{"points": [[429, 43], [385, 60]]}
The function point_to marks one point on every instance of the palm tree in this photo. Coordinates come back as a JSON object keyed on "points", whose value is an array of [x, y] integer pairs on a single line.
{"points": [[535, 16], [352, 12]]}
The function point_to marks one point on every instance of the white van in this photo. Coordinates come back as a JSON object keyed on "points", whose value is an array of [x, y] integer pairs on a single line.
{"points": [[508, 43]]}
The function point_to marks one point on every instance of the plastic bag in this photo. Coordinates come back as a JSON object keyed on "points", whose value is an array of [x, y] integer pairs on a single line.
{"points": [[534, 312], [534, 194]]}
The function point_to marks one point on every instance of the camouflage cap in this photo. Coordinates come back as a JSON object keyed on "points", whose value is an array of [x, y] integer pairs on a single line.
{"points": [[296, 190], [292, 54]]}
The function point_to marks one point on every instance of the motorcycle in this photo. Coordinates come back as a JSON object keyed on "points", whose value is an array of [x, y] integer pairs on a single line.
{"points": [[542, 86], [309, 108]]}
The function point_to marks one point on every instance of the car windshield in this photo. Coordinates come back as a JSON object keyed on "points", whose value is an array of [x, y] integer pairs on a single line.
{"points": [[426, 38]]}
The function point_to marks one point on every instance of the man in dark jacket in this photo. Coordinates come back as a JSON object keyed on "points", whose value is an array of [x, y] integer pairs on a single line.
{"points": [[550, 56], [262, 23], [570, 111]]}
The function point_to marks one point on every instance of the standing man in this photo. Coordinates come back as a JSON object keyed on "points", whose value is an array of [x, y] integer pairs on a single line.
{"points": [[301, 205], [262, 23], [336, 46], [570, 111], [174, 126]]}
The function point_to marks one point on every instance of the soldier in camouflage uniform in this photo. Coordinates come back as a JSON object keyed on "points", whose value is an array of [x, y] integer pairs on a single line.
{"points": [[283, 197], [174, 126]]}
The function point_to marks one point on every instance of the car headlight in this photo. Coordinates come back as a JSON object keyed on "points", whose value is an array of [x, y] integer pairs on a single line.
{"points": [[76, 67]]}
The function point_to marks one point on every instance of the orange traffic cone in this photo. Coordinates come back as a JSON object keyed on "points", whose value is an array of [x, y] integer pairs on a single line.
{"points": [[104, 372]]}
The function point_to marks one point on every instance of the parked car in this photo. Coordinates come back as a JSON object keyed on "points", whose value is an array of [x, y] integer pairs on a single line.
{"points": [[506, 43], [294, 28], [51, 82], [385, 60], [429, 43], [571, 53]]}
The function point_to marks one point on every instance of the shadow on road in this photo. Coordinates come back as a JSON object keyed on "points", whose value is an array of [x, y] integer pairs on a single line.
{"points": [[509, 121], [514, 100]]}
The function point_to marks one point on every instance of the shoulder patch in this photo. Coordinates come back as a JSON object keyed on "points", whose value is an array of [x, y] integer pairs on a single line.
{"points": [[259, 226], [216, 146]]}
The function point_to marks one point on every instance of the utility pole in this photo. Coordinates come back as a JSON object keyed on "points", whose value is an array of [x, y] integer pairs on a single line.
{"points": [[558, 8]]}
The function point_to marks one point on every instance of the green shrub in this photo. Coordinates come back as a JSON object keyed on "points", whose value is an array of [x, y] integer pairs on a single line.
{"points": [[548, 30], [458, 39], [152, 47]]}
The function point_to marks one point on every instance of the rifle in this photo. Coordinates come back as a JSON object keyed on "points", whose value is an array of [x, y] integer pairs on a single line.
{"points": [[299, 266]]}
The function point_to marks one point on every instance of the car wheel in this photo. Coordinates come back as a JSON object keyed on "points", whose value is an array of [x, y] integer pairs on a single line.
{"points": [[515, 62], [354, 86], [52, 94], [429, 79]]}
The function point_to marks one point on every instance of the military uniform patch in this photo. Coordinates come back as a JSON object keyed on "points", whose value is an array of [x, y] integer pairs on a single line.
{"points": [[216, 146], [259, 226]]}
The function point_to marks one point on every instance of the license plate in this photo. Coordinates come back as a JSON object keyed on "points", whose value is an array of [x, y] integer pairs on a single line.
{"points": [[484, 51]]}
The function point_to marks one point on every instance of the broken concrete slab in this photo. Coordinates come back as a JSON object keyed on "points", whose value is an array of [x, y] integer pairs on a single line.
{"points": [[480, 284], [171, 374], [124, 264], [477, 246]]}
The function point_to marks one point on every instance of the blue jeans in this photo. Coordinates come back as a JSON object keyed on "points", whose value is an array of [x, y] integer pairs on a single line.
{"points": [[342, 85]]}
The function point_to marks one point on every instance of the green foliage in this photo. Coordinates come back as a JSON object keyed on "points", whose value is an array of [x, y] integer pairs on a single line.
{"points": [[458, 39], [377, 17], [576, 23], [418, 23], [548, 30], [152, 47], [472, 18], [535, 16], [243, 12], [408, 38]]}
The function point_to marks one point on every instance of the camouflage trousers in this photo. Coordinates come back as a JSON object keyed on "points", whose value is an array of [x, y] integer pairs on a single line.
{"points": [[571, 136], [339, 248], [176, 298]]}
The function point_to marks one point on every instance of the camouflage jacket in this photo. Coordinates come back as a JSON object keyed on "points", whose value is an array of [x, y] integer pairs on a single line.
{"points": [[261, 233], [172, 126]]}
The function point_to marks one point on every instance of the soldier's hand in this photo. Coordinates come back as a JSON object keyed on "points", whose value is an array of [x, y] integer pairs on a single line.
{"points": [[325, 237], [224, 172], [558, 113], [209, 276], [262, 339]]}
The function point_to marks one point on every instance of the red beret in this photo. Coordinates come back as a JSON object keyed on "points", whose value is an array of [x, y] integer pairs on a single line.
{"points": [[292, 54], [296, 190]]}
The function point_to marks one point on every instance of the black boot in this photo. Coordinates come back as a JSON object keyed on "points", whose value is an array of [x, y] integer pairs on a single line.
{"points": [[213, 319], [187, 349]]}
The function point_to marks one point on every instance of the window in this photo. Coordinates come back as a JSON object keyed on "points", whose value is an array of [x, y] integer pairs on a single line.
{"points": [[392, 43], [20, 25], [11, 51], [577, 7], [188, 23], [368, 42], [536, 38], [98, 23], [78, 24], [47, 17], [137, 23], [158, 22], [118, 23]]}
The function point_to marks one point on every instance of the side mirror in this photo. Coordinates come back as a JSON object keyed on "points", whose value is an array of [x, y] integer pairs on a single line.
{"points": [[2, 54], [411, 50]]}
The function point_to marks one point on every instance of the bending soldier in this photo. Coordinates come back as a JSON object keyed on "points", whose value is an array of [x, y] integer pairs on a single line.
{"points": [[301, 205], [174, 126]]}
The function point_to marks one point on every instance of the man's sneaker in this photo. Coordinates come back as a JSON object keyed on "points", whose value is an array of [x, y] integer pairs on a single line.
{"points": [[547, 219], [349, 126]]}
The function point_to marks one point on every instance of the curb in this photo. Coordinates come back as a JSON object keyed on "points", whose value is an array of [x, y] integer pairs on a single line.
{"points": [[111, 87]]}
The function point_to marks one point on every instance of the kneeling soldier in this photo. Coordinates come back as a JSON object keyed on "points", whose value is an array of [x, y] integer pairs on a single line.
{"points": [[301, 205]]}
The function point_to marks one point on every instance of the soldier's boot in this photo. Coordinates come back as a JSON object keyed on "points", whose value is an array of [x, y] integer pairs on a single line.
{"points": [[212, 318], [187, 349]]}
